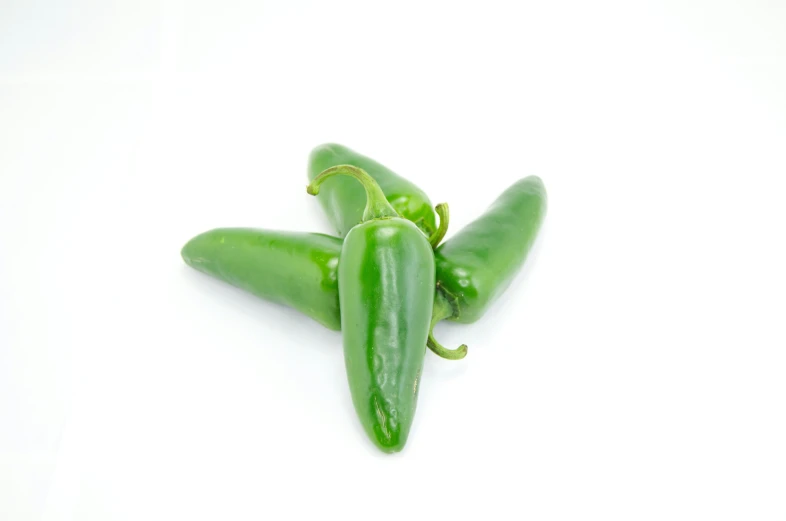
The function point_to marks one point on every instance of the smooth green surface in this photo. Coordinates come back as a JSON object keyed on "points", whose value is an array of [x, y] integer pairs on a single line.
{"points": [[386, 290], [344, 199], [295, 269], [475, 266]]}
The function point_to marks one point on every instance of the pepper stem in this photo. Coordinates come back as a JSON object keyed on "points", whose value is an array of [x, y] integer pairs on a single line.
{"points": [[443, 310], [377, 206], [444, 219]]}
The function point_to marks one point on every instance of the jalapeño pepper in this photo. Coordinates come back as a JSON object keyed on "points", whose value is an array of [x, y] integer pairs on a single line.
{"points": [[294, 269], [344, 199], [386, 291], [475, 266]]}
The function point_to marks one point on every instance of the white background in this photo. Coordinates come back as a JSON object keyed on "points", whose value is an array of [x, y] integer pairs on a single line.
{"points": [[636, 369]]}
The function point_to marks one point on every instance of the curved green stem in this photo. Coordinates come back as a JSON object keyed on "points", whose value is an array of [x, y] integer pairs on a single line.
{"points": [[377, 205], [443, 310], [444, 219]]}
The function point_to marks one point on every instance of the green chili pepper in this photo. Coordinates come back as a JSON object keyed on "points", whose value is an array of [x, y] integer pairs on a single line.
{"points": [[475, 266], [386, 291], [344, 199], [300, 269], [295, 269]]}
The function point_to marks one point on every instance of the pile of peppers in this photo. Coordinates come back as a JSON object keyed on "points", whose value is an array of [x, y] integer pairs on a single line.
{"points": [[386, 280]]}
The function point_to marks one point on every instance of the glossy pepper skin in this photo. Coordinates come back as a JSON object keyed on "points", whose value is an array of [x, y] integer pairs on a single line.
{"points": [[298, 270], [475, 266], [344, 199], [386, 290]]}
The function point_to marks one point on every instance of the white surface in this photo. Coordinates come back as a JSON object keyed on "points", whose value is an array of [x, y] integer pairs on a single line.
{"points": [[636, 369]]}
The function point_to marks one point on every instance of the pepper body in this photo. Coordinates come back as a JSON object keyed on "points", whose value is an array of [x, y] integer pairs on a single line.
{"points": [[298, 270], [386, 290], [475, 266], [344, 199]]}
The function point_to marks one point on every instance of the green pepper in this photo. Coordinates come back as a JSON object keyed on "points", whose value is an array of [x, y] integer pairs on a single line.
{"points": [[386, 292], [475, 266], [295, 269], [300, 269], [344, 199]]}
